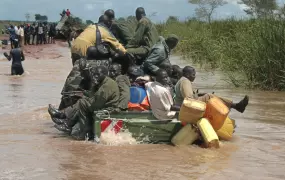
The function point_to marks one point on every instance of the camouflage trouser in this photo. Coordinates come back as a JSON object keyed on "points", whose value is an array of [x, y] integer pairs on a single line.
{"points": [[80, 117], [140, 54], [67, 101]]}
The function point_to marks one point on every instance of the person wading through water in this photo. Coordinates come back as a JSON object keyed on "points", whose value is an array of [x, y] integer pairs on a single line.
{"points": [[17, 56], [88, 38]]}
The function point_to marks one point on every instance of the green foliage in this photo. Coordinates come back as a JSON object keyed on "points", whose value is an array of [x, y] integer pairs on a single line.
{"points": [[206, 8], [250, 52], [89, 22], [39, 17], [259, 8]]}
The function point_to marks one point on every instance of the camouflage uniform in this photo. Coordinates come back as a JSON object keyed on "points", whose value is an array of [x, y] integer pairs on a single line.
{"points": [[157, 58], [77, 82], [124, 87], [122, 32], [144, 38], [106, 97]]}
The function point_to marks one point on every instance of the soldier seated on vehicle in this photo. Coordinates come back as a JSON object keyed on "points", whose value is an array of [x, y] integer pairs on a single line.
{"points": [[115, 72], [104, 95], [161, 101], [79, 78], [144, 38], [159, 54], [91, 37]]}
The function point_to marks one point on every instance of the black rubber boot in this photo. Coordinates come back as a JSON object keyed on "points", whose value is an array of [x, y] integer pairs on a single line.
{"points": [[240, 107], [62, 128], [54, 113]]}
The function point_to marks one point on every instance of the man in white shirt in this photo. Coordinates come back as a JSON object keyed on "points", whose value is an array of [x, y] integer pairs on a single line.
{"points": [[21, 36], [160, 98]]}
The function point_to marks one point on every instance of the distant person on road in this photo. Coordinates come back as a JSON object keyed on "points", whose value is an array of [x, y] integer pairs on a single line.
{"points": [[51, 34], [17, 57], [13, 35], [40, 34], [67, 12], [28, 33]]}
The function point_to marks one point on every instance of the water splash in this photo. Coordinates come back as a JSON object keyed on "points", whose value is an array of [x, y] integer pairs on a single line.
{"points": [[110, 138]]}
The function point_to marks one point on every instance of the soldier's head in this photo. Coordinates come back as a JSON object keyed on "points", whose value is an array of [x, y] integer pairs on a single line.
{"points": [[115, 70], [110, 14], [15, 43], [162, 77], [172, 41], [167, 67], [98, 74], [189, 73], [103, 19], [140, 13], [91, 53], [176, 72], [134, 72]]}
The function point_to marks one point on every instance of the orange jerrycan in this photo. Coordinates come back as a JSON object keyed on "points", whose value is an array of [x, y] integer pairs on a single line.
{"points": [[216, 112], [191, 110]]}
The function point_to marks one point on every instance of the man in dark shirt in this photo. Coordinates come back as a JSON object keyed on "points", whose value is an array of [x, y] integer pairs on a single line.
{"points": [[17, 56]]}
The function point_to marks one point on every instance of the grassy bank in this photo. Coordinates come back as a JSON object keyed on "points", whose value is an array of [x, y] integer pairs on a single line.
{"points": [[250, 52]]}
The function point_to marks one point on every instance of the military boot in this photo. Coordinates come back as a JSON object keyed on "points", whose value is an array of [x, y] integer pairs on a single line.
{"points": [[54, 113]]}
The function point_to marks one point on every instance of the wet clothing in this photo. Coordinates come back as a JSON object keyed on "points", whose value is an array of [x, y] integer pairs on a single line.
{"points": [[122, 32], [124, 87], [88, 38], [160, 101], [106, 97], [158, 55], [183, 89], [17, 57]]}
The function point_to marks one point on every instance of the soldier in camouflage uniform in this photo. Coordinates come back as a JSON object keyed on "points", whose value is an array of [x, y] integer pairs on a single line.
{"points": [[123, 81], [79, 78], [144, 38], [119, 28], [104, 95]]}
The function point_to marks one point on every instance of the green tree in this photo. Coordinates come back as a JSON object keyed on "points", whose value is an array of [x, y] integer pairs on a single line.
{"points": [[259, 8], [89, 22], [172, 19], [206, 8], [37, 17]]}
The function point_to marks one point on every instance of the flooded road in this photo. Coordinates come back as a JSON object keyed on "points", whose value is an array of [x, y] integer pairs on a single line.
{"points": [[30, 148]]}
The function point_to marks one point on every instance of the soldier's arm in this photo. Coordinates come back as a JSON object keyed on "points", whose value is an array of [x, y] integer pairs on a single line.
{"points": [[22, 55], [9, 57], [137, 38], [108, 37], [154, 58]]}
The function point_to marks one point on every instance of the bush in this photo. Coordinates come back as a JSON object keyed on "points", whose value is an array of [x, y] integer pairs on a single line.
{"points": [[250, 52]]}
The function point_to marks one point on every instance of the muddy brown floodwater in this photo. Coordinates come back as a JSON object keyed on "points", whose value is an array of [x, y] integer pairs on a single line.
{"points": [[30, 148]]}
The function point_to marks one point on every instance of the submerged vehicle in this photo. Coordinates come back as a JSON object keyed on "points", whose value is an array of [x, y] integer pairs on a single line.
{"points": [[143, 126]]}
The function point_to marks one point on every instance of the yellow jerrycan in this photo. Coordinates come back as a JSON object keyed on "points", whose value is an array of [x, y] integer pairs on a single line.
{"points": [[208, 133], [186, 136], [192, 110], [227, 130]]}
